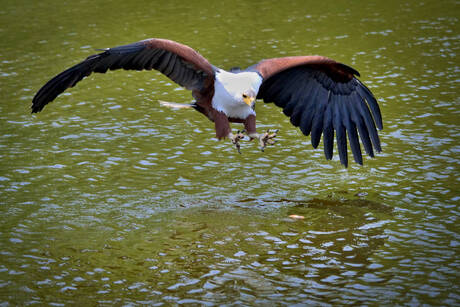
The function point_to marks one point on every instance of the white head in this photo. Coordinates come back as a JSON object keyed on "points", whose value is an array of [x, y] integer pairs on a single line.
{"points": [[241, 86], [235, 93]]}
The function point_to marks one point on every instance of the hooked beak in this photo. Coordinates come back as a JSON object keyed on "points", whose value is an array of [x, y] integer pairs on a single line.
{"points": [[249, 100]]}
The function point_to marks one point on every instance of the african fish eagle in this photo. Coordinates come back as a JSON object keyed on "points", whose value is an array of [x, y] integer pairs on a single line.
{"points": [[319, 94]]}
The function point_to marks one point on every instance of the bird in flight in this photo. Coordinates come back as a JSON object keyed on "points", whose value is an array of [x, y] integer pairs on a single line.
{"points": [[319, 94]]}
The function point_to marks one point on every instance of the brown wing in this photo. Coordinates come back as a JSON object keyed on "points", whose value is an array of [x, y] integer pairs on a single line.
{"points": [[320, 96], [178, 62]]}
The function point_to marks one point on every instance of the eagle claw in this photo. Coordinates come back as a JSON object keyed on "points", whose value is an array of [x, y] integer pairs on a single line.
{"points": [[267, 138], [236, 139]]}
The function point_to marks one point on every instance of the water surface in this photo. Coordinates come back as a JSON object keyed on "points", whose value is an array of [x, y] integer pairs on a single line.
{"points": [[108, 198]]}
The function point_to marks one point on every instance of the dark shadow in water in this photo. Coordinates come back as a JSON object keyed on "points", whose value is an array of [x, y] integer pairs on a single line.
{"points": [[331, 204]]}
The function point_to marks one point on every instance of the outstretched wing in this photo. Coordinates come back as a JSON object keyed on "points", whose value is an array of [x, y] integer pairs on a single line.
{"points": [[178, 62], [320, 96]]}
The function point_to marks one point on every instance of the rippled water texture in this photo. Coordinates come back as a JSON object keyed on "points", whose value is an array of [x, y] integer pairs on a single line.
{"points": [[107, 198]]}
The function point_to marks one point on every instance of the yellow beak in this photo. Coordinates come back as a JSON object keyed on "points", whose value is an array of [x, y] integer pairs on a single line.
{"points": [[249, 100]]}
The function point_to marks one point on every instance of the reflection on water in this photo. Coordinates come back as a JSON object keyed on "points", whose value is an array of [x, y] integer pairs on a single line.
{"points": [[205, 254], [107, 197]]}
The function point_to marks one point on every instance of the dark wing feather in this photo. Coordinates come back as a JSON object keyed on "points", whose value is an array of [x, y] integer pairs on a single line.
{"points": [[328, 129], [340, 136], [320, 96], [178, 62], [317, 124]]}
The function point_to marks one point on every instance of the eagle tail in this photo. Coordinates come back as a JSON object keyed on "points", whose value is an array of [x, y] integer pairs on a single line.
{"points": [[175, 105]]}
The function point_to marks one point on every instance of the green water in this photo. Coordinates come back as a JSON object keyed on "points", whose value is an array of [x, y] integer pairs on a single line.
{"points": [[106, 198]]}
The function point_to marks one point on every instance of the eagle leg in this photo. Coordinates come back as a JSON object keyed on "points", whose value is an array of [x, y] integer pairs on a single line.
{"points": [[235, 138], [265, 139]]}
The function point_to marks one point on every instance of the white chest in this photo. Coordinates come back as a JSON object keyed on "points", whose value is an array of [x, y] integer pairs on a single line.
{"points": [[228, 92]]}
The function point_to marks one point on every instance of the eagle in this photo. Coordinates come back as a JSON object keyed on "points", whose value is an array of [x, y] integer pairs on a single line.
{"points": [[319, 94]]}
